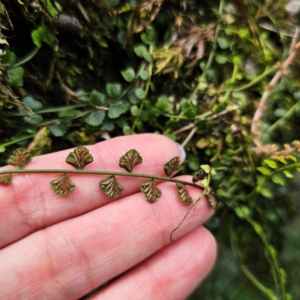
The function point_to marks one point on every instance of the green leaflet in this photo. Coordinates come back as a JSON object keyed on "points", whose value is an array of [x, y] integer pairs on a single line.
{"points": [[199, 175], [95, 118], [150, 190], [62, 186], [79, 158], [130, 159], [172, 166], [111, 187], [6, 178], [19, 158], [15, 75], [212, 201], [183, 194]]}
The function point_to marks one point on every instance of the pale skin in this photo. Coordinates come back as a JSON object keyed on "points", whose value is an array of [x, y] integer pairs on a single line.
{"points": [[56, 247]]}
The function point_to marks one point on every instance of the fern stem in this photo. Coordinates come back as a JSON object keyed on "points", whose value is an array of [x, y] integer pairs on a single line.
{"points": [[255, 281], [62, 171]]}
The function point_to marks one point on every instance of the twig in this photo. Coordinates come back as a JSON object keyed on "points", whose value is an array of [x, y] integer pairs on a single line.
{"points": [[194, 128], [223, 112], [8, 18], [185, 216], [214, 116], [190, 135], [102, 107], [66, 89], [184, 128], [263, 101], [83, 12]]}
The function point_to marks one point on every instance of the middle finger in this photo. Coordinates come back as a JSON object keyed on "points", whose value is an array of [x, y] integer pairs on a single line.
{"points": [[67, 260]]}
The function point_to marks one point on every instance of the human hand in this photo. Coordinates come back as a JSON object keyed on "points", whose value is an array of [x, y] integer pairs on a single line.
{"points": [[63, 247]]}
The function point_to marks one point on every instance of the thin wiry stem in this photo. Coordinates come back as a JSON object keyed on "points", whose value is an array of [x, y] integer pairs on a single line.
{"points": [[190, 135], [61, 171], [185, 216]]}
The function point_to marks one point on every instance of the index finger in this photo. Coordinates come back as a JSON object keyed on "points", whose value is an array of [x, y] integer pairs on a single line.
{"points": [[29, 203]]}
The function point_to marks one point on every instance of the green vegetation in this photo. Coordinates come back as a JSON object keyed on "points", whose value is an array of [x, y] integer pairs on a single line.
{"points": [[219, 77]]}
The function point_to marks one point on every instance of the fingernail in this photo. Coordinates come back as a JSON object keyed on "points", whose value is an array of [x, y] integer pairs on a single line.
{"points": [[182, 152]]}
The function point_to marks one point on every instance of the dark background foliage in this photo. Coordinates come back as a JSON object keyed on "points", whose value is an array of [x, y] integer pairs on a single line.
{"points": [[76, 73]]}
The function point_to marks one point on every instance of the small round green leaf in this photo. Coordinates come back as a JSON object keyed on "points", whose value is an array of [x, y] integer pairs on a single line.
{"points": [[15, 76], [97, 98], [280, 112], [193, 162], [190, 113], [296, 95], [221, 59], [115, 110], [140, 93], [134, 110], [83, 96], [242, 211], [223, 43], [114, 90], [32, 103], [9, 58], [128, 74], [40, 35], [163, 104], [60, 128], [127, 130], [132, 96], [141, 51], [145, 38], [144, 75], [109, 126], [33, 119], [95, 118]]}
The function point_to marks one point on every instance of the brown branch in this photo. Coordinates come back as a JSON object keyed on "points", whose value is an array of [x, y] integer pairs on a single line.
{"points": [[263, 101], [189, 137], [83, 12], [70, 94]]}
